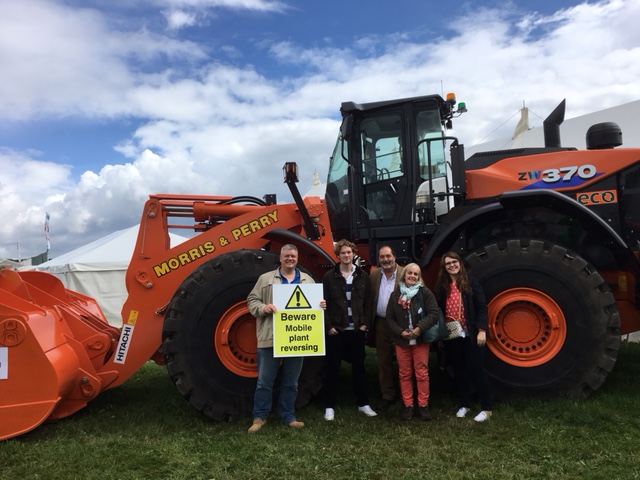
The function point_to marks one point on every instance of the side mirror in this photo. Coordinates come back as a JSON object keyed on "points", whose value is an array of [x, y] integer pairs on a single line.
{"points": [[346, 129]]}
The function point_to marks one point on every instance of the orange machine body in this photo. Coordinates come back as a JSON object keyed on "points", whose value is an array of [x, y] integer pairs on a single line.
{"points": [[577, 172], [587, 176], [550, 233], [57, 350]]}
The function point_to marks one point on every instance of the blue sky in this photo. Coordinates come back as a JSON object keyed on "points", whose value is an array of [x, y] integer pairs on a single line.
{"points": [[103, 102]]}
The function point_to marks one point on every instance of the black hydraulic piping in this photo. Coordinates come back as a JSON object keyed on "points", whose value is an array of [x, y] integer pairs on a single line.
{"points": [[291, 178]]}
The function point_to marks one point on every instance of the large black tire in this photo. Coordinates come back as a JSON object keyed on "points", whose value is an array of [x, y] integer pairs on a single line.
{"points": [[202, 370], [553, 320]]}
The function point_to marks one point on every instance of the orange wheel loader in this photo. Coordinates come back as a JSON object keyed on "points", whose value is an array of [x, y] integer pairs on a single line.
{"points": [[552, 233]]}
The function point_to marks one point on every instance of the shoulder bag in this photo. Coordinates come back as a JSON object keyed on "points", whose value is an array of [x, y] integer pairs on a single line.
{"points": [[454, 325], [436, 332]]}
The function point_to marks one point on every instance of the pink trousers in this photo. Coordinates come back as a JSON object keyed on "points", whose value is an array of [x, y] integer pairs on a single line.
{"points": [[414, 359]]}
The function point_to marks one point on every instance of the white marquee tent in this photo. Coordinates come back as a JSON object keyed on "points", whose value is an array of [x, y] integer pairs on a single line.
{"points": [[98, 269], [10, 264], [572, 131]]}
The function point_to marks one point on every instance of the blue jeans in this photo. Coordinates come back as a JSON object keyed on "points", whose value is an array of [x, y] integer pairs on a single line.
{"points": [[268, 367]]}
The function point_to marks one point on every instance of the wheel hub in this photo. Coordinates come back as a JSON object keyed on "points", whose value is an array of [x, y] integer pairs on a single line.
{"points": [[235, 341], [527, 327]]}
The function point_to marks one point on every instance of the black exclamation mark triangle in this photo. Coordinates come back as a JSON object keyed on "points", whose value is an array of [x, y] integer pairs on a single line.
{"points": [[298, 300]]}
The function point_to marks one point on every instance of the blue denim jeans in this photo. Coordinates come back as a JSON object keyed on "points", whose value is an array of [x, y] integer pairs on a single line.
{"points": [[268, 367]]}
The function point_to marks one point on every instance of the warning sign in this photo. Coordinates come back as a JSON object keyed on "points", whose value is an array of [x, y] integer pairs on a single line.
{"points": [[297, 300], [298, 324]]}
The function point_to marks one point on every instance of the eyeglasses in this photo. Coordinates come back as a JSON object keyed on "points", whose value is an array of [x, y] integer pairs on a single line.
{"points": [[452, 262]]}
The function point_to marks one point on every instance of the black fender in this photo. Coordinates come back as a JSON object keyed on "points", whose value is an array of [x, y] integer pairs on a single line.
{"points": [[286, 236], [460, 216], [562, 203]]}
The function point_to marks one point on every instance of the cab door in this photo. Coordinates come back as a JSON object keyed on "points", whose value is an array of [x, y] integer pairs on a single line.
{"points": [[383, 170]]}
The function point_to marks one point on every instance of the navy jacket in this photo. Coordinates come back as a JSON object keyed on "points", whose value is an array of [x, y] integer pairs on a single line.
{"points": [[475, 307]]}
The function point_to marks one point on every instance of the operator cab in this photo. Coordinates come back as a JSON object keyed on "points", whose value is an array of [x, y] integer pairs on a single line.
{"points": [[387, 169]]}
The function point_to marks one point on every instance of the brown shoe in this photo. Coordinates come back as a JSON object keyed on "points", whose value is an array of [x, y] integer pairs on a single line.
{"points": [[407, 413], [296, 424], [384, 404], [425, 415], [257, 424]]}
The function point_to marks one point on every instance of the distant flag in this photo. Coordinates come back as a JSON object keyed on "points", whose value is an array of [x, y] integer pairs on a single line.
{"points": [[46, 229]]}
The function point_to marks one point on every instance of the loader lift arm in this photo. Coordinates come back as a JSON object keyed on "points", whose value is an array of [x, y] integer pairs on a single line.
{"points": [[61, 341]]}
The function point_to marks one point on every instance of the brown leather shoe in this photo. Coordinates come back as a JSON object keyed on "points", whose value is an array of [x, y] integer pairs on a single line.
{"points": [[257, 424], [425, 415], [407, 413], [296, 424], [384, 404]]}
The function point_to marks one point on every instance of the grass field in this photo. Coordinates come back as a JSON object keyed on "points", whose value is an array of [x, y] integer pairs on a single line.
{"points": [[146, 430]]}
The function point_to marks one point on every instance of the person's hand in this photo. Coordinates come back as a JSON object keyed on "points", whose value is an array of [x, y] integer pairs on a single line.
{"points": [[482, 339], [416, 332], [269, 308], [407, 334], [333, 331], [363, 328]]}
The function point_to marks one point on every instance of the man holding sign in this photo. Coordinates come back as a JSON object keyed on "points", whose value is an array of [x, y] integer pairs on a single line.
{"points": [[260, 304]]}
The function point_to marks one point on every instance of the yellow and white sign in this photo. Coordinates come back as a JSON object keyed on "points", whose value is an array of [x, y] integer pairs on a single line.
{"points": [[298, 324]]}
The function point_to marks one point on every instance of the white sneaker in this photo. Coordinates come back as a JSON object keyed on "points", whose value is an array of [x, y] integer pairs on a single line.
{"points": [[329, 414], [366, 409], [483, 416], [462, 412]]}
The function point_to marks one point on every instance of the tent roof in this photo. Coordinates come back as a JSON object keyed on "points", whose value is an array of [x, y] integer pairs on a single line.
{"points": [[116, 247], [573, 131], [9, 263], [317, 189]]}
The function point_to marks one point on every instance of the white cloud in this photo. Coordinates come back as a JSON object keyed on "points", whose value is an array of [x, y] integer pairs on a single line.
{"points": [[186, 13], [214, 128], [177, 19], [259, 5], [70, 61], [28, 187]]}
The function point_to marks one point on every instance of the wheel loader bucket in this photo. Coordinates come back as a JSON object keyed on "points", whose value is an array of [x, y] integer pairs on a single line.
{"points": [[27, 379], [50, 346]]}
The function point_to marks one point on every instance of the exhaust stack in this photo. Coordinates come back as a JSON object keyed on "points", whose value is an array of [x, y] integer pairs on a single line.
{"points": [[551, 126]]}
